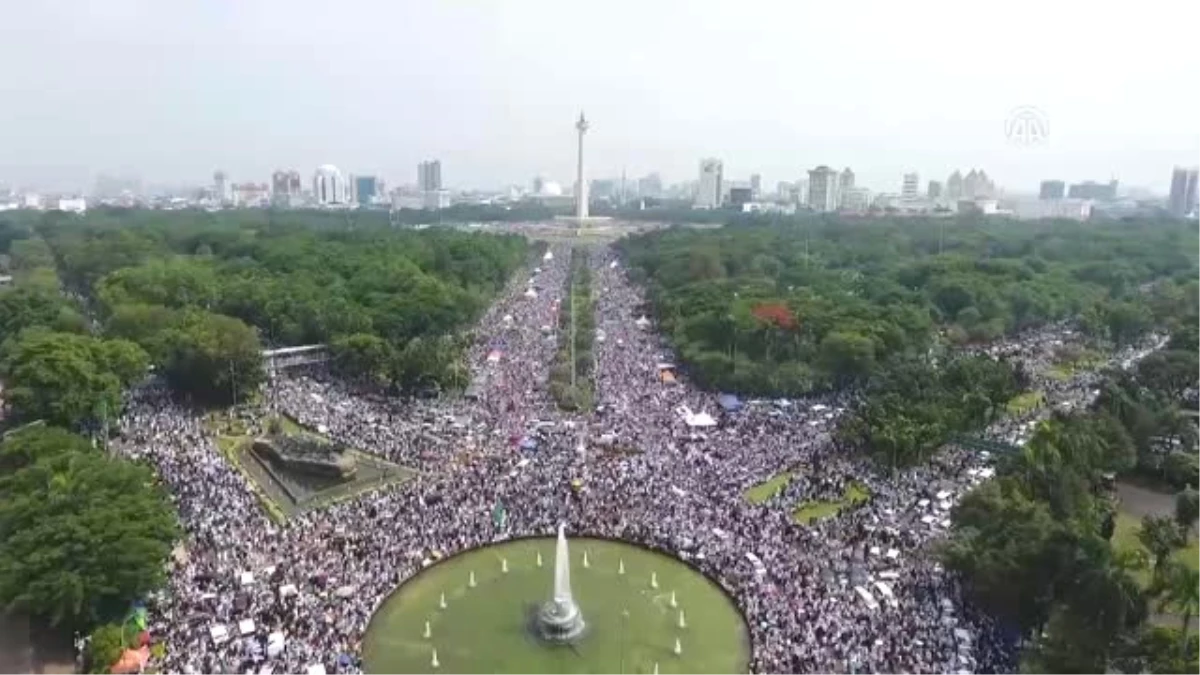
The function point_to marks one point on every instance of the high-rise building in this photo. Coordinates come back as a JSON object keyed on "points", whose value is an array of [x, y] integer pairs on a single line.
{"points": [[823, 189], [756, 185], [934, 191], [366, 189], [1052, 189], [429, 175], [285, 188], [857, 199], [650, 186], [801, 192], [1090, 189], [846, 180], [329, 186], [250, 194], [711, 188], [785, 192], [740, 196], [910, 187], [222, 188], [1183, 199], [954, 186]]}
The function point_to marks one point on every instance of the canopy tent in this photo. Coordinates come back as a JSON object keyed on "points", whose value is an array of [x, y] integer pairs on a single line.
{"points": [[132, 661], [528, 444], [549, 256], [700, 420], [729, 403]]}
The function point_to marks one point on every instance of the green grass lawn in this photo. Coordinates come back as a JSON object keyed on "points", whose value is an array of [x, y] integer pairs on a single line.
{"points": [[855, 494], [767, 489], [1023, 403], [1125, 538], [487, 629]]}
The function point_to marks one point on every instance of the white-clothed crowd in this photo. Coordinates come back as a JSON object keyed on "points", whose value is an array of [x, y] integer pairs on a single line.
{"points": [[851, 593]]}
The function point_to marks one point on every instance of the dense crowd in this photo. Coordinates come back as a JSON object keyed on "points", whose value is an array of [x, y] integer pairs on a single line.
{"points": [[659, 463]]}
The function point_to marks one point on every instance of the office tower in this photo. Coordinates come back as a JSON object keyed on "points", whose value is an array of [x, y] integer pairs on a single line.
{"points": [[756, 185], [710, 189], [1090, 189], [329, 186], [954, 186], [823, 189], [739, 196], [1183, 199], [222, 188], [846, 180], [1052, 189], [366, 189], [429, 175], [910, 188], [650, 186], [934, 191]]}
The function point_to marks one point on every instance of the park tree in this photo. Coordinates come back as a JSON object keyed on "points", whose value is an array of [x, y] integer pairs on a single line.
{"points": [[105, 648], [82, 534], [68, 379], [216, 358], [363, 357], [35, 442], [24, 307], [1187, 509], [1177, 587], [1160, 535], [1170, 372]]}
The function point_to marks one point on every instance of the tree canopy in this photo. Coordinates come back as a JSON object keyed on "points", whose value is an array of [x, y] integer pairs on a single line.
{"points": [[82, 534]]}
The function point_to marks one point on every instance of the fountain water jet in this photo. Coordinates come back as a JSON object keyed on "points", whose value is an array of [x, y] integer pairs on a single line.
{"points": [[471, 579], [678, 647], [682, 622], [654, 580], [674, 602], [433, 663], [559, 618], [428, 631], [442, 602], [621, 566]]}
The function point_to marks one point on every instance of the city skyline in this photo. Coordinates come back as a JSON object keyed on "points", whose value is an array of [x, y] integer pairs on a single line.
{"points": [[249, 87]]}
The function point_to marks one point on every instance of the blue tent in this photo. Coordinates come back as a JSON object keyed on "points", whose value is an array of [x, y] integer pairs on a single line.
{"points": [[528, 444], [729, 403]]}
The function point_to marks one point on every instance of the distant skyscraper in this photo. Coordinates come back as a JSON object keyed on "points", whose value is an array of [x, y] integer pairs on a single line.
{"points": [[910, 188], [846, 180], [954, 186], [650, 186], [823, 189], [329, 186], [1183, 199], [1090, 189], [222, 187], [285, 188], [756, 185], [935, 190], [429, 175], [366, 189], [1052, 189], [708, 193]]}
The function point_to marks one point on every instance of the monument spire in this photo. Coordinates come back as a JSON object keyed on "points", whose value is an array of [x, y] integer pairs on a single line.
{"points": [[562, 569], [581, 189]]}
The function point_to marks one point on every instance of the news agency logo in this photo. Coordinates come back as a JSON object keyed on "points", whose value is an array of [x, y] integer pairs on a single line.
{"points": [[1026, 127]]}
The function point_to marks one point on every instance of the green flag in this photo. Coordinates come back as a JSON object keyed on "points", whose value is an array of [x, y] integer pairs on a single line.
{"points": [[499, 516]]}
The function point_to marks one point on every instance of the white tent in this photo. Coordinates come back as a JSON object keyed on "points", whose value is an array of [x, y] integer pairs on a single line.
{"points": [[246, 626], [316, 669], [548, 256], [219, 633], [275, 644]]}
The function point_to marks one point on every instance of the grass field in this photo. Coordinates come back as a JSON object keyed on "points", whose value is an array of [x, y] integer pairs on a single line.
{"points": [[1087, 359], [1125, 538], [1023, 403], [855, 494], [767, 489], [630, 625]]}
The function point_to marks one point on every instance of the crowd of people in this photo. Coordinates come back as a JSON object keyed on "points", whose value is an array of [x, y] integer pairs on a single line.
{"points": [[658, 462]]}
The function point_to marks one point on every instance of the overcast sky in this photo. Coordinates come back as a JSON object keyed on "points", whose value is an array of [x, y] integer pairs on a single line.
{"points": [[172, 89]]}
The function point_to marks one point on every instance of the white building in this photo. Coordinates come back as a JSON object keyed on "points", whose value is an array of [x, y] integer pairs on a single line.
{"points": [[910, 188], [1070, 209], [329, 186], [435, 199], [222, 188], [823, 189], [856, 199], [73, 205], [708, 193]]}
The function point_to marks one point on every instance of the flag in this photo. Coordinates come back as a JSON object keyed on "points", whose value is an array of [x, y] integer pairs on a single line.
{"points": [[499, 516]]}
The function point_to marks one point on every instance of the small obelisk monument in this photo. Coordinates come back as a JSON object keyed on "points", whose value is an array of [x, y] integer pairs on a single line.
{"points": [[581, 187], [559, 618]]}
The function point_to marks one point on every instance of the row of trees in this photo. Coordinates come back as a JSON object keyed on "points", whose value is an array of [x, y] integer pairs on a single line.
{"points": [[785, 309], [911, 409], [571, 371], [199, 295]]}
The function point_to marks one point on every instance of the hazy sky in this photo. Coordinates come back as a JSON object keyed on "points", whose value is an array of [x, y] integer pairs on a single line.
{"points": [[173, 89]]}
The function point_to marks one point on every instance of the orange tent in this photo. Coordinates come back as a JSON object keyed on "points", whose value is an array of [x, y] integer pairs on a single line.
{"points": [[132, 661]]}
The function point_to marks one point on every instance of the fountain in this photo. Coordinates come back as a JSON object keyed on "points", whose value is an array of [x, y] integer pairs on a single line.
{"points": [[656, 668], [586, 564], [682, 622], [678, 647], [559, 618], [504, 565], [428, 632], [674, 602], [471, 579], [433, 663], [539, 559], [442, 602], [621, 566], [654, 580]]}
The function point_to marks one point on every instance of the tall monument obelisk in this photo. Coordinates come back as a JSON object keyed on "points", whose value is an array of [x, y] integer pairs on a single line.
{"points": [[581, 189], [560, 618]]}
